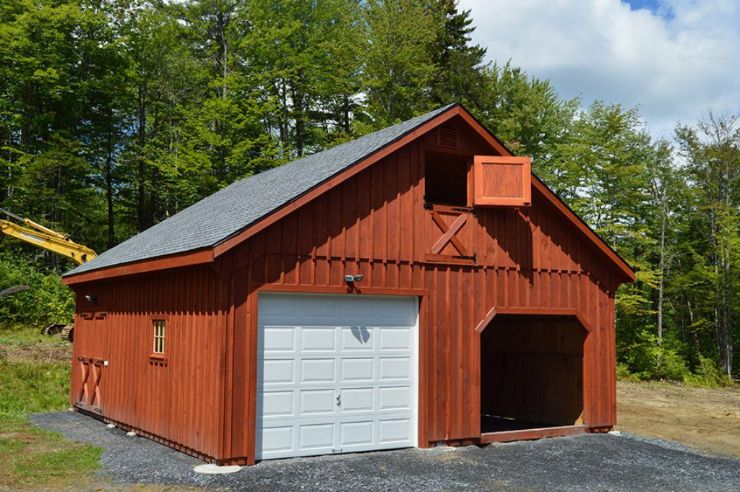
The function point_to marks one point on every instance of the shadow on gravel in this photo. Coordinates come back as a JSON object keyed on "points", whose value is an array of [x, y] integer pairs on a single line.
{"points": [[591, 461]]}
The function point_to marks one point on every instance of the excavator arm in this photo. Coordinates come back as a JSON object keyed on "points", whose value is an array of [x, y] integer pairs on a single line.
{"points": [[45, 238]]}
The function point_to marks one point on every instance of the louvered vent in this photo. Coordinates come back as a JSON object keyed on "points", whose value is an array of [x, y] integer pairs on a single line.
{"points": [[447, 137]]}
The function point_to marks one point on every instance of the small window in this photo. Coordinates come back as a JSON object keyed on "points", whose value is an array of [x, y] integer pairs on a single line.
{"points": [[159, 327], [446, 179]]}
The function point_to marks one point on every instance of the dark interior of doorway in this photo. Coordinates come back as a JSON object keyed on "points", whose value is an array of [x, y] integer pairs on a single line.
{"points": [[446, 179], [531, 373]]}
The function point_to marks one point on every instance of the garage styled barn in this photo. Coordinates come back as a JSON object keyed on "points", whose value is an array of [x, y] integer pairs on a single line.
{"points": [[415, 286]]}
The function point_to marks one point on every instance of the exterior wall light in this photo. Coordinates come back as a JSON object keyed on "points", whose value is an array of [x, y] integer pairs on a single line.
{"points": [[350, 279]]}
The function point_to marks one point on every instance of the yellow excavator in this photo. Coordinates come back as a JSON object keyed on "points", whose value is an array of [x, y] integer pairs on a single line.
{"points": [[34, 233], [43, 237]]}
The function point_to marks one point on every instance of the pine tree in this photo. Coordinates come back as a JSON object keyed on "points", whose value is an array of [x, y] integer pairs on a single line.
{"points": [[458, 75]]}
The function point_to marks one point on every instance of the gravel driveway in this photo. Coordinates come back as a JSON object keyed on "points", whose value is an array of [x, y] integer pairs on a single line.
{"points": [[587, 462]]}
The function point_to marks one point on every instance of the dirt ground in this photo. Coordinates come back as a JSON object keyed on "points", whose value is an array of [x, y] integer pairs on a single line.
{"points": [[30, 346], [706, 419]]}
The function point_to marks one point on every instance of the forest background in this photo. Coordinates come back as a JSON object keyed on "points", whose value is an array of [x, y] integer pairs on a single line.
{"points": [[115, 114]]}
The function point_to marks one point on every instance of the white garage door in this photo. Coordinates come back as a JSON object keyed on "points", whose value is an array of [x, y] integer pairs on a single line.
{"points": [[335, 374]]}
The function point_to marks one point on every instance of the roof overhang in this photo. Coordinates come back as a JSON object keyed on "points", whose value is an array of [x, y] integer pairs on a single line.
{"points": [[189, 258]]}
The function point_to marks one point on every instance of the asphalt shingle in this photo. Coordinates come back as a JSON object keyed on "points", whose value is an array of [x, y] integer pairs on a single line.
{"points": [[242, 203]]}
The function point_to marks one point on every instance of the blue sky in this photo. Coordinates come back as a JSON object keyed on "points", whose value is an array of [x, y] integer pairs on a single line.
{"points": [[673, 59], [652, 5]]}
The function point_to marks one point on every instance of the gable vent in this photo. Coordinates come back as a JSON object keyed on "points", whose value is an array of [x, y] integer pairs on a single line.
{"points": [[447, 137]]}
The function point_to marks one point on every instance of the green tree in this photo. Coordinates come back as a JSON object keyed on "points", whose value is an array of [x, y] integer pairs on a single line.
{"points": [[47, 53], [297, 54], [399, 64], [459, 76], [712, 152], [528, 116]]}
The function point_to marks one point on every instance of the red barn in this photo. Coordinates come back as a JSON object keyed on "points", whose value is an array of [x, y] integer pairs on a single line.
{"points": [[415, 286]]}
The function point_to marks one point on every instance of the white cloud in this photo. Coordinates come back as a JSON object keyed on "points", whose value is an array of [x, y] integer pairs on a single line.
{"points": [[674, 66]]}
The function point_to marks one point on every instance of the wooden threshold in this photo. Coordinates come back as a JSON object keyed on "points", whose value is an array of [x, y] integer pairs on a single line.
{"points": [[529, 434]]}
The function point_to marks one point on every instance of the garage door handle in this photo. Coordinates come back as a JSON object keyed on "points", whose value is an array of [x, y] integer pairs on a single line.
{"points": [[339, 400]]}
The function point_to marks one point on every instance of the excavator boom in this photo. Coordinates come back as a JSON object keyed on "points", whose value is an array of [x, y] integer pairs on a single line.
{"points": [[45, 238]]}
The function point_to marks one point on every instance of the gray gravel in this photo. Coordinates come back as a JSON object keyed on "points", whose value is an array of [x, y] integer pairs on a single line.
{"points": [[587, 462]]}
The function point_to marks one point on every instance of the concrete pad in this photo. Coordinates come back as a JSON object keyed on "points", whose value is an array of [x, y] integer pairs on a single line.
{"points": [[211, 469]]}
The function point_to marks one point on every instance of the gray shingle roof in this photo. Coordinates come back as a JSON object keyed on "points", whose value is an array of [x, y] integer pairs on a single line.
{"points": [[237, 206]]}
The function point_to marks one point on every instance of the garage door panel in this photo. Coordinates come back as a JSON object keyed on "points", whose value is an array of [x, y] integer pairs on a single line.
{"points": [[356, 370], [395, 368], [357, 400], [394, 430], [395, 338], [277, 439], [312, 310], [321, 339], [335, 374], [395, 311], [279, 339], [357, 338], [278, 403], [316, 437], [318, 371], [394, 398], [270, 311], [278, 371], [317, 402], [357, 433]]}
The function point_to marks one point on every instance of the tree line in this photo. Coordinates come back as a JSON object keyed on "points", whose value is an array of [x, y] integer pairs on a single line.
{"points": [[115, 114]]}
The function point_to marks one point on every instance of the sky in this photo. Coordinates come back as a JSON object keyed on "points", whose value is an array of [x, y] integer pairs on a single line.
{"points": [[673, 59]]}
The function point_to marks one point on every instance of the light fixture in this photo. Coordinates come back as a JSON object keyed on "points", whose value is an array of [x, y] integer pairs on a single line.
{"points": [[90, 298], [350, 279]]}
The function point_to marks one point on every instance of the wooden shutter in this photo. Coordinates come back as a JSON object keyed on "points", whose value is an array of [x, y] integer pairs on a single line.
{"points": [[502, 181]]}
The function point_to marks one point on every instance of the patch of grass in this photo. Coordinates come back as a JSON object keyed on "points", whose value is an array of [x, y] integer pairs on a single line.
{"points": [[30, 387], [48, 458], [29, 456], [20, 334]]}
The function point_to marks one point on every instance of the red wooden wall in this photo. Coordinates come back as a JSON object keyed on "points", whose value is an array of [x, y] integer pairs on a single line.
{"points": [[181, 398]]}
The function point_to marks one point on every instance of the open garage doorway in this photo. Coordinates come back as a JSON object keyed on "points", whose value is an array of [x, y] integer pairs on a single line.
{"points": [[531, 375]]}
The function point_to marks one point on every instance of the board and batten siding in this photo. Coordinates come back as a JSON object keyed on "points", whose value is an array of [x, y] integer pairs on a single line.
{"points": [[180, 398], [375, 223]]}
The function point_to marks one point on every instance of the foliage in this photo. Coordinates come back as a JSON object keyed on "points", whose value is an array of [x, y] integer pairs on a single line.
{"points": [[46, 301], [527, 115], [649, 359], [399, 68], [707, 374], [624, 374]]}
